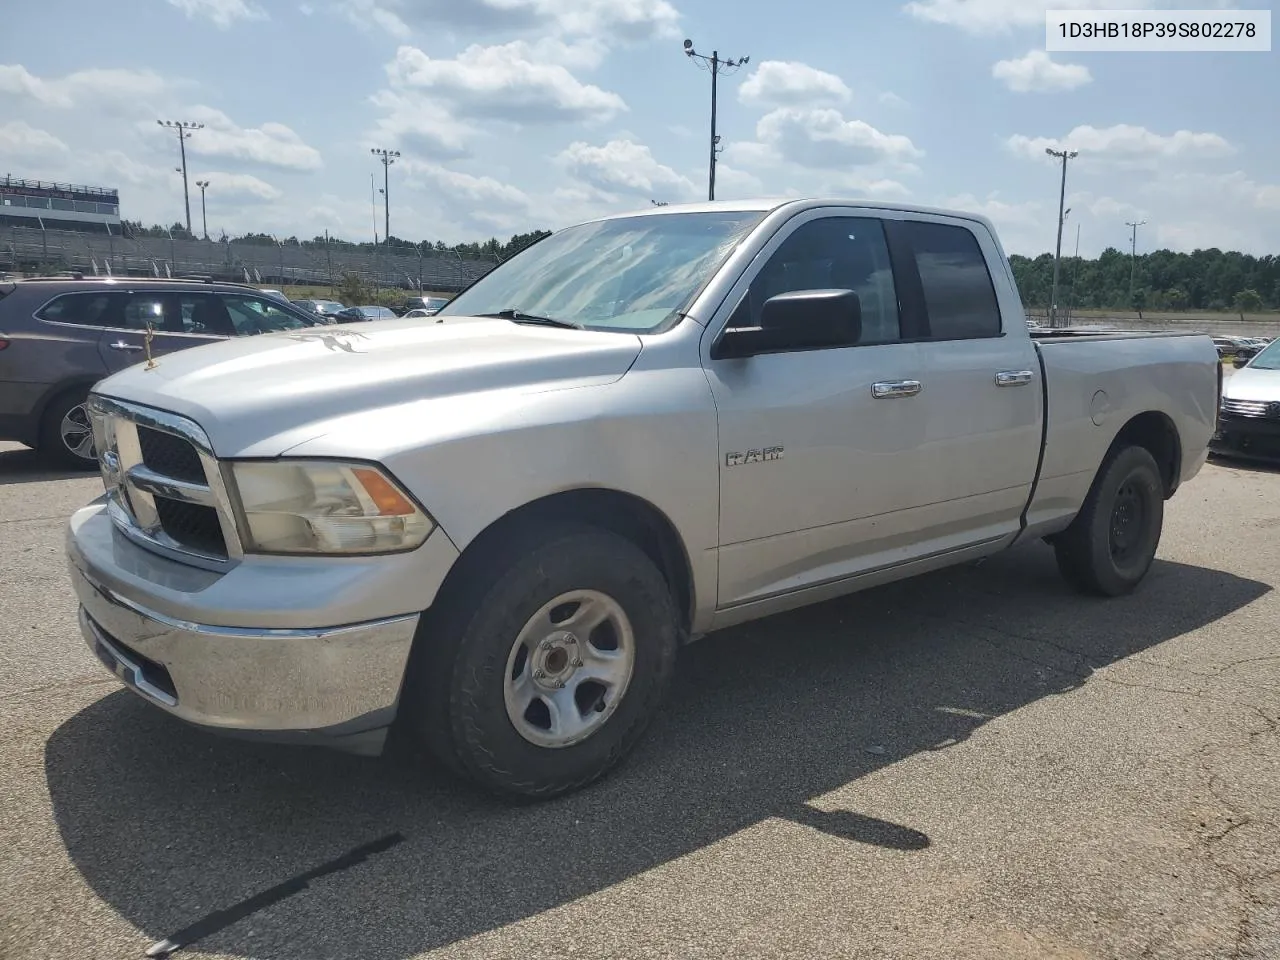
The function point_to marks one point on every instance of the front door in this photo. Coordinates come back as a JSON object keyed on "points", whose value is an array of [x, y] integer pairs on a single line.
{"points": [[822, 452]]}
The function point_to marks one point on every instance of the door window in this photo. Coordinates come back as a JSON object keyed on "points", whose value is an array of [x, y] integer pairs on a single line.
{"points": [[203, 313], [959, 296], [252, 315], [841, 253], [140, 309], [82, 309]]}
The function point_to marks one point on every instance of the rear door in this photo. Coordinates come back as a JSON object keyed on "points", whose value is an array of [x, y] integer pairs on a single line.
{"points": [[981, 378], [151, 322]]}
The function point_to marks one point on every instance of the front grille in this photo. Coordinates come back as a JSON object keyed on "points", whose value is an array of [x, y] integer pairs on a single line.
{"points": [[1251, 408], [170, 455], [158, 490], [192, 526]]}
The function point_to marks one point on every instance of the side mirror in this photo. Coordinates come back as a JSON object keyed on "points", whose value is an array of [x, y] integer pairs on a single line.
{"points": [[1240, 361], [798, 320]]}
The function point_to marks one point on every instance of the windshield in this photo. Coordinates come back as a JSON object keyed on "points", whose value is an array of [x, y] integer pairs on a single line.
{"points": [[633, 273], [1268, 358]]}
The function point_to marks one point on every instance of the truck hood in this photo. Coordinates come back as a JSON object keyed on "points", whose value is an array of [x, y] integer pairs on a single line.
{"points": [[257, 396], [1249, 383]]}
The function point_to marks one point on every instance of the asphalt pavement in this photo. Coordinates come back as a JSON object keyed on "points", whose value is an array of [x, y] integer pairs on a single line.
{"points": [[975, 764]]}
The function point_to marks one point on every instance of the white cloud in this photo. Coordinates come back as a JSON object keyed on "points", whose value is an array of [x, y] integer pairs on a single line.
{"points": [[222, 13], [891, 99], [732, 183], [235, 186], [466, 187], [412, 119], [781, 83], [102, 87], [273, 144], [1236, 188], [1038, 73], [503, 82], [367, 14], [1002, 213], [19, 140], [824, 139], [1003, 16], [606, 20], [627, 166], [865, 188], [1125, 143]]}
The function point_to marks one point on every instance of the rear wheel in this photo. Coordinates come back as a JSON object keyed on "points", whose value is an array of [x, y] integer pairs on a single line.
{"points": [[538, 675], [66, 435], [1112, 542]]}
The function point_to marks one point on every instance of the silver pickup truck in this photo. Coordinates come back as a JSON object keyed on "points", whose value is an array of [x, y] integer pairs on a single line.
{"points": [[496, 526]]}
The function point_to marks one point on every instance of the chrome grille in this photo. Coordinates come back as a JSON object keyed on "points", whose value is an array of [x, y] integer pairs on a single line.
{"points": [[170, 455], [164, 485], [1251, 408]]}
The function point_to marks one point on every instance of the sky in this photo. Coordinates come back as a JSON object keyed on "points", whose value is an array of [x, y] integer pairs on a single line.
{"points": [[511, 115]]}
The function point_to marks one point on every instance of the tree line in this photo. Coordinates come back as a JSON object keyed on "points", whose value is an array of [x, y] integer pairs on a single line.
{"points": [[1210, 280], [491, 249]]}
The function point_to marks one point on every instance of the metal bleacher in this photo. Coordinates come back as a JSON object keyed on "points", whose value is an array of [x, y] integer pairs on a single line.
{"points": [[273, 264]]}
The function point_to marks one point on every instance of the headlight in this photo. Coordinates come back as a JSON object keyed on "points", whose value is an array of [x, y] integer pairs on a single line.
{"points": [[315, 506]]}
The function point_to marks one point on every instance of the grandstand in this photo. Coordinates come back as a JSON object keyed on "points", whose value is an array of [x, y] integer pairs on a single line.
{"points": [[26, 249], [64, 206]]}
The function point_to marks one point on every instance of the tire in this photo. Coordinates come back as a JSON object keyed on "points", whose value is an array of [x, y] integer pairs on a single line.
{"points": [[1112, 542], [464, 701], [59, 436]]}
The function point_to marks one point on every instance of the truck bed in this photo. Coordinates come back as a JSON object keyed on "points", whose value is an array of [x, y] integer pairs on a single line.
{"points": [[1095, 384], [1071, 336]]}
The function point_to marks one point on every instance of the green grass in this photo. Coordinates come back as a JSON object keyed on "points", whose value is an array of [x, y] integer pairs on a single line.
{"points": [[329, 293], [1225, 316]]}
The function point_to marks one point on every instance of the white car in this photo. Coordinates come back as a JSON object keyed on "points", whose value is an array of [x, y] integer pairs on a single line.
{"points": [[1249, 418]]}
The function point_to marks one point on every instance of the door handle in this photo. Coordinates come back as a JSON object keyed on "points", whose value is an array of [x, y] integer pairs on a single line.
{"points": [[889, 389], [1014, 378], [121, 345]]}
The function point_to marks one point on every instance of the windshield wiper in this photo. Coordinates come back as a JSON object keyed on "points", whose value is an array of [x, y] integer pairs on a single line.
{"points": [[519, 316]]}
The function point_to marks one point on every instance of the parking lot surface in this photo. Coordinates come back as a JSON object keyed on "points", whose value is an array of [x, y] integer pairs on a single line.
{"points": [[976, 764]]}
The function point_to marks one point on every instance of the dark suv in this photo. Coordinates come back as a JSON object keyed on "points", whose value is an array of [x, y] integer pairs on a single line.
{"points": [[60, 336]]}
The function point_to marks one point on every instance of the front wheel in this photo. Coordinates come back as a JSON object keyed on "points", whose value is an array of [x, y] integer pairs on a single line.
{"points": [[1112, 542], [537, 677]]}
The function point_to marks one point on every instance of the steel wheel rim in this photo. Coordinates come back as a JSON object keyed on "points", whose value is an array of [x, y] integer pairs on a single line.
{"points": [[569, 669], [1128, 520], [76, 432]]}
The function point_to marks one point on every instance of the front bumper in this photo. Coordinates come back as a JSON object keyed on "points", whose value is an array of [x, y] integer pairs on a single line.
{"points": [[331, 685], [1253, 438]]}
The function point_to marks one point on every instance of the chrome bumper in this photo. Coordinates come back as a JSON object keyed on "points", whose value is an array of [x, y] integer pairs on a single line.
{"points": [[337, 686]]}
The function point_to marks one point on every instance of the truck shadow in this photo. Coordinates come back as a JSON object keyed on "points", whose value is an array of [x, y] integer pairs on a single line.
{"points": [[169, 825], [23, 465]]}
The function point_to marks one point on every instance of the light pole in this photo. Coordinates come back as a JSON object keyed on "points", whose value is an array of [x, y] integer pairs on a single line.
{"points": [[183, 128], [1133, 255], [204, 218], [1062, 203], [388, 157], [1075, 272], [716, 66]]}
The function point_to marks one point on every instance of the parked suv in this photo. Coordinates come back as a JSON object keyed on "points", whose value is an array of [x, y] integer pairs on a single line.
{"points": [[58, 337]]}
